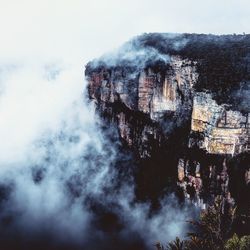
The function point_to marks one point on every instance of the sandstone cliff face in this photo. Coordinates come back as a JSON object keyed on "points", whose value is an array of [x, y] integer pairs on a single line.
{"points": [[153, 94], [223, 131], [171, 92], [163, 111]]}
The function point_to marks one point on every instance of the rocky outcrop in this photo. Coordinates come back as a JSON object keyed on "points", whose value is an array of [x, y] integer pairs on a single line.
{"points": [[171, 92], [152, 96], [174, 110], [221, 131]]}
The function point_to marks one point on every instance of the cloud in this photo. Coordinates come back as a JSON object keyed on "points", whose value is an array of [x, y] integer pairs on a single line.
{"points": [[80, 30]]}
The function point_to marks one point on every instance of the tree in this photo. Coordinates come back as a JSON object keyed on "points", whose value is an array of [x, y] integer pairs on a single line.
{"points": [[214, 224], [236, 243], [211, 231], [177, 244]]}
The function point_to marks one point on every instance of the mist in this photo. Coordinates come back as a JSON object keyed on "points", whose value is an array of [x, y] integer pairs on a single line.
{"points": [[57, 170]]}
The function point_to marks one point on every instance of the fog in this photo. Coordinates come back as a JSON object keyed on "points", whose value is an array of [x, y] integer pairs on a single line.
{"points": [[56, 163]]}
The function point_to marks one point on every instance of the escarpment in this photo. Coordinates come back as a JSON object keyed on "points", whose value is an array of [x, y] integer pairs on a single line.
{"points": [[181, 103]]}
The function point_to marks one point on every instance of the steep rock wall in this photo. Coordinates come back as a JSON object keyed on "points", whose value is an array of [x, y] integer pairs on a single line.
{"points": [[174, 114], [223, 131], [154, 97]]}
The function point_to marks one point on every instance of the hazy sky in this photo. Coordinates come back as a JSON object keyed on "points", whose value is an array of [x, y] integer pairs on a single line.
{"points": [[86, 28]]}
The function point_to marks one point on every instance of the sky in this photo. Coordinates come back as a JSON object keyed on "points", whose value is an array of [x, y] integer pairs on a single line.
{"points": [[83, 29], [44, 46]]}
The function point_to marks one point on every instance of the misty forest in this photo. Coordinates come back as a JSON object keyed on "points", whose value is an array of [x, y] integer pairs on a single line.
{"points": [[145, 146]]}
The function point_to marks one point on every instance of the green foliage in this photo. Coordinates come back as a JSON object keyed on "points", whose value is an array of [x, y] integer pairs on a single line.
{"points": [[236, 243], [233, 243], [177, 244], [211, 232], [212, 226], [197, 243]]}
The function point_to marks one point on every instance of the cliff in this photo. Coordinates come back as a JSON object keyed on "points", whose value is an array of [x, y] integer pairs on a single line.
{"points": [[181, 104], [224, 131]]}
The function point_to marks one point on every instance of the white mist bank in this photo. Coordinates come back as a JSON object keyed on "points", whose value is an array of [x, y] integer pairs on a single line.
{"points": [[50, 140]]}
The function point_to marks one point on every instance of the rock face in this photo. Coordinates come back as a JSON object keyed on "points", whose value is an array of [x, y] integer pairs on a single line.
{"points": [[159, 94], [182, 99], [222, 131], [156, 96]]}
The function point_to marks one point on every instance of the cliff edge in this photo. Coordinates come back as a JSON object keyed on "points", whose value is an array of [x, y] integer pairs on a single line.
{"points": [[181, 103]]}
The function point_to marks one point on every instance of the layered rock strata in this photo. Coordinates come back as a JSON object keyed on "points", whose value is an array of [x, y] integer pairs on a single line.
{"points": [[223, 131]]}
